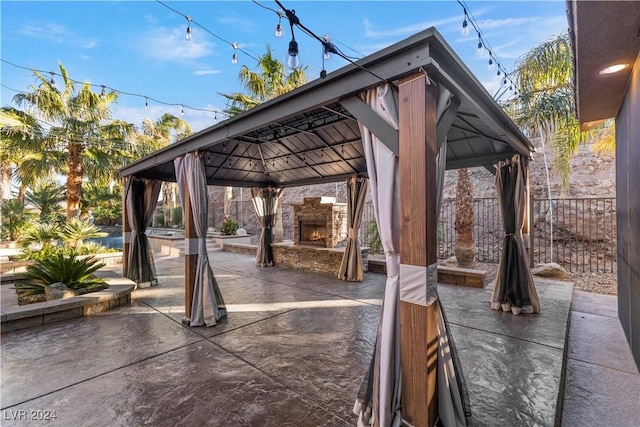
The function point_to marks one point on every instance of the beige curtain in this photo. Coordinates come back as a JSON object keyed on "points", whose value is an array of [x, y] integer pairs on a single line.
{"points": [[207, 305], [514, 289], [141, 198], [265, 203], [379, 398], [351, 265]]}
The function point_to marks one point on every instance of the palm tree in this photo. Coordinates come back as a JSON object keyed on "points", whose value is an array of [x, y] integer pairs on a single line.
{"points": [[546, 103], [270, 82], [75, 134], [465, 243], [158, 134]]}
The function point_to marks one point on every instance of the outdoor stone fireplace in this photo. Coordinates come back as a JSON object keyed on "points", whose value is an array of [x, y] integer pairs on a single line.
{"points": [[320, 221], [319, 237]]}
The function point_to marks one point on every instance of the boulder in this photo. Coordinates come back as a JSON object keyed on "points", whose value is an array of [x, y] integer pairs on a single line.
{"points": [[550, 270], [58, 291]]}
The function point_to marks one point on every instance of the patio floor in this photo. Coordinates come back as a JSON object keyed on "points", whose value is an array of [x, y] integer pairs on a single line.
{"points": [[292, 352]]}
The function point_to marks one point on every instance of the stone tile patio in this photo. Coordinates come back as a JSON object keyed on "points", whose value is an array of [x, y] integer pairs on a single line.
{"points": [[292, 352]]}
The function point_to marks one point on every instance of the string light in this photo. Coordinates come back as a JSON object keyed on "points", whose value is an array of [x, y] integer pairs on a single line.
{"points": [[327, 53], [234, 58], [293, 61], [146, 103], [182, 111], [479, 44], [53, 82], [188, 36], [103, 92], [279, 31], [490, 66], [465, 24]]}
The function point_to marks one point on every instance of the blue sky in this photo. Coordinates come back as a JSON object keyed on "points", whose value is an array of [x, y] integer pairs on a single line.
{"points": [[140, 47]]}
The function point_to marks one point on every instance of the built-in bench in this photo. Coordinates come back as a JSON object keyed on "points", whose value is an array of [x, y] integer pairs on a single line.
{"points": [[446, 274]]}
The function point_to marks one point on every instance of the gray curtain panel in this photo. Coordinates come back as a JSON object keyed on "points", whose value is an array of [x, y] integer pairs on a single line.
{"points": [[207, 305], [141, 198], [351, 265], [514, 289], [379, 398], [265, 202]]}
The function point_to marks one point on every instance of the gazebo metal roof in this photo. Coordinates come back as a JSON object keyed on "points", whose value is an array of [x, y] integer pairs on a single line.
{"points": [[311, 135]]}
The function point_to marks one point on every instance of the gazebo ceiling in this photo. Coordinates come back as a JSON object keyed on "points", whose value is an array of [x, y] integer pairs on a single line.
{"points": [[311, 135]]}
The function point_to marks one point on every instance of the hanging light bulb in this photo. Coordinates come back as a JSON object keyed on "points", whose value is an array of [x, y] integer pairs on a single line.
{"points": [[182, 111], [465, 24], [498, 73], [53, 82], [146, 103], [234, 58], [479, 44], [103, 92], [490, 66], [24, 136], [504, 82], [188, 36], [293, 61], [279, 31], [327, 54]]}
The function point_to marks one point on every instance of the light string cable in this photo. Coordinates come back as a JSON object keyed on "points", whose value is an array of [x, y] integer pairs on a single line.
{"points": [[120, 92], [483, 43], [233, 45], [328, 46]]}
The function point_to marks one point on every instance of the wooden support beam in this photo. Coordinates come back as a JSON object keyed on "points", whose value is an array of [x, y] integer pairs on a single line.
{"points": [[365, 115], [190, 255], [418, 333], [126, 231]]}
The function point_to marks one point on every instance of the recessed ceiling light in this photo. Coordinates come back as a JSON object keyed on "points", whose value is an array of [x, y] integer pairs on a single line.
{"points": [[614, 68]]}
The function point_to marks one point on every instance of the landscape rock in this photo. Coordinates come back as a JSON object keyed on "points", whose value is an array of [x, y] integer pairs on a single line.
{"points": [[58, 291], [550, 270]]}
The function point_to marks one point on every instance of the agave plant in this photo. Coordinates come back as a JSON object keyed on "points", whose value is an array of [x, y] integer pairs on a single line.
{"points": [[77, 274]]}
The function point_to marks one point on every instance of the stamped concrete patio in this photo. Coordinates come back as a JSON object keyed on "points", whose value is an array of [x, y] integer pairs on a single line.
{"points": [[292, 353]]}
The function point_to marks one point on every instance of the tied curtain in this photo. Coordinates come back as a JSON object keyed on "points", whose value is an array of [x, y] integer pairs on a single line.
{"points": [[351, 265], [207, 305], [265, 202], [514, 289], [141, 198], [379, 398]]}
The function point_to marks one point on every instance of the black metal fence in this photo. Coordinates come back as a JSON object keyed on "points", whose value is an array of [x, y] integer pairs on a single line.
{"points": [[583, 238]]}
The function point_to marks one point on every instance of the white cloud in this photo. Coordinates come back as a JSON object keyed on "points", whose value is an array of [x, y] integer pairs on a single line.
{"points": [[242, 24], [205, 72], [167, 44], [56, 33]]}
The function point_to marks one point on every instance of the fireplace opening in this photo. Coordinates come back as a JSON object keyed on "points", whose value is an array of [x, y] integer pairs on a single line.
{"points": [[313, 232]]}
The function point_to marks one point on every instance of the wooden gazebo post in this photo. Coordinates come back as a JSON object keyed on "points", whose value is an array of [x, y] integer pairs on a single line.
{"points": [[417, 160]]}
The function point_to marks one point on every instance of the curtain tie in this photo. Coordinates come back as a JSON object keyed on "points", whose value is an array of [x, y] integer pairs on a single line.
{"points": [[353, 233]]}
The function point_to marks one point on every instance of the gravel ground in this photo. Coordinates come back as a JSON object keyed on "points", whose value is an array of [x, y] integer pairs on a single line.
{"points": [[599, 283]]}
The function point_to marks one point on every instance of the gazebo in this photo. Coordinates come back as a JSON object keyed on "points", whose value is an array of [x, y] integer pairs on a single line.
{"points": [[398, 117]]}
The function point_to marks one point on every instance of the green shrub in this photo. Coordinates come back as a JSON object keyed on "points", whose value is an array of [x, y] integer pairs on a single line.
{"points": [[372, 236], [176, 216], [77, 274], [229, 226], [15, 219]]}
